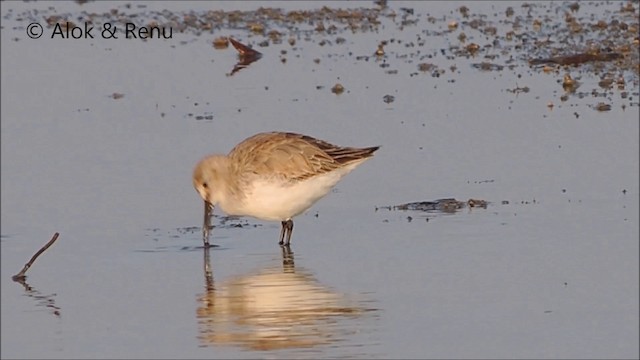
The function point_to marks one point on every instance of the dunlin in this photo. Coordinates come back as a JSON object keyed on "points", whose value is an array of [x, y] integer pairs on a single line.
{"points": [[273, 176]]}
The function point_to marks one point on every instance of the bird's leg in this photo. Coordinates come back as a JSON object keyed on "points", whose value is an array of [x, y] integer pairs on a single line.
{"points": [[290, 227], [287, 229], [282, 231]]}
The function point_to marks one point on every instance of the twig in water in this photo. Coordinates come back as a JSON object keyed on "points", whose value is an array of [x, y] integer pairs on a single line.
{"points": [[21, 275]]}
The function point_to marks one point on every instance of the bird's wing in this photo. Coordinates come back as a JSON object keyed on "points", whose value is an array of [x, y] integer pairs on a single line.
{"points": [[286, 155]]}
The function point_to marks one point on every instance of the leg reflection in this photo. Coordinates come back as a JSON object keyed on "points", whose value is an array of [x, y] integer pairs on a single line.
{"points": [[287, 260]]}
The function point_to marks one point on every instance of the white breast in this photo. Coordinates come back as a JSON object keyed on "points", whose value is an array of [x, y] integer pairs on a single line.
{"points": [[277, 201]]}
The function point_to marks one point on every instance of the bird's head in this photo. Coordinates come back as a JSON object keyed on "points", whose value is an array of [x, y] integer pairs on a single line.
{"points": [[209, 178]]}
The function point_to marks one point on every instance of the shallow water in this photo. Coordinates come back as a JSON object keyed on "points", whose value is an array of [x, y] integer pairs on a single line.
{"points": [[549, 269]]}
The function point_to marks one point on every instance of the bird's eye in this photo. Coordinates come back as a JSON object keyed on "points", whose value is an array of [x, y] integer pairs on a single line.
{"points": [[204, 185]]}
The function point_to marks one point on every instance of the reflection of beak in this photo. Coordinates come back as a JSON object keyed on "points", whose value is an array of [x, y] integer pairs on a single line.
{"points": [[208, 211]]}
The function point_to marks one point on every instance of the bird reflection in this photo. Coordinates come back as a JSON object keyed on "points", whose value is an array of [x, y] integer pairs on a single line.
{"points": [[278, 307]]}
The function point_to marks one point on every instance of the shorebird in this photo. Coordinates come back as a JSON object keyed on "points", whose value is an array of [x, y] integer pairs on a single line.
{"points": [[273, 176]]}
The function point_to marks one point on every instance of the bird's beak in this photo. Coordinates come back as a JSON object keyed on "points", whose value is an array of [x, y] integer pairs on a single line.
{"points": [[208, 212]]}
